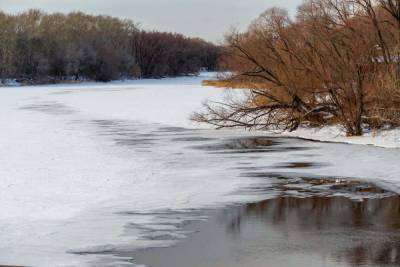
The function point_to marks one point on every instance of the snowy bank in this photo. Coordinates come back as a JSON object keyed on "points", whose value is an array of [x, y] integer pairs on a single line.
{"points": [[387, 138], [382, 138]]}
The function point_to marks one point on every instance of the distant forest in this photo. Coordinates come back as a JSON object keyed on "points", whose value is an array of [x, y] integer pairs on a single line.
{"points": [[36, 47]]}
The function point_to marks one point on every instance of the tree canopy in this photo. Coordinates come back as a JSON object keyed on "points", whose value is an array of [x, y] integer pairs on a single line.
{"points": [[36, 47]]}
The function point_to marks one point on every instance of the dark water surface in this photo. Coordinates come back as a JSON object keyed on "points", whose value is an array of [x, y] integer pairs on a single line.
{"points": [[305, 220], [290, 231], [313, 220]]}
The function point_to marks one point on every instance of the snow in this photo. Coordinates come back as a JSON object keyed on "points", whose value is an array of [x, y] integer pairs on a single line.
{"points": [[60, 173], [383, 138], [87, 169]]}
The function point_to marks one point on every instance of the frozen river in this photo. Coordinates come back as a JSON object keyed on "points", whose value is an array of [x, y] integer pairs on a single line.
{"points": [[92, 173]]}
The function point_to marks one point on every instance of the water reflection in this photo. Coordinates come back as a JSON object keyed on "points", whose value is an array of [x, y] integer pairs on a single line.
{"points": [[360, 233], [255, 144], [241, 143]]}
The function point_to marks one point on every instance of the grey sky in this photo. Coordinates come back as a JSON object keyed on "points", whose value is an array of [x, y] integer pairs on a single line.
{"points": [[208, 19]]}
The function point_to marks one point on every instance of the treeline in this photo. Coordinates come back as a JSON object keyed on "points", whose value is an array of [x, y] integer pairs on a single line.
{"points": [[37, 47], [337, 62]]}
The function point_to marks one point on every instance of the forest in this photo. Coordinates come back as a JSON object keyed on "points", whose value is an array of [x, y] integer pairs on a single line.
{"points": [[36, 47], [337, 62]]}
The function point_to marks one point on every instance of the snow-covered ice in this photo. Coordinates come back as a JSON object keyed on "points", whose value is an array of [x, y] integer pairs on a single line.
{"points": [[92, 168]]}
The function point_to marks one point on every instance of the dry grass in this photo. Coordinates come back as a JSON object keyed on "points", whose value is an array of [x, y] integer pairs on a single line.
{"points": [[229, 84]]}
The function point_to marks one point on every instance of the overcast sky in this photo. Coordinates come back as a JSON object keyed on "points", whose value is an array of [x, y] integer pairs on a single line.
{"points": [[208, 19]]}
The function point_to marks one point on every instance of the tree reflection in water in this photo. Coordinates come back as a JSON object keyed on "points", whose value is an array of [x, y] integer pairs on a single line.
{"points": [[359, 233]]}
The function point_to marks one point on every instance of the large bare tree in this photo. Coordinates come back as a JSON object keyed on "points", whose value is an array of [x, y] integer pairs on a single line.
{"points": [[321, 68]]}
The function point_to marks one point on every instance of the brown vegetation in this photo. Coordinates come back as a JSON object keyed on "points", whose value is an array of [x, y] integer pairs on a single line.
{"points": [[36, 47], [226, 83], [337, 62]]}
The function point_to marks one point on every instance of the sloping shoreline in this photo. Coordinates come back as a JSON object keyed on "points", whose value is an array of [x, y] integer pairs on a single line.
{"points": [[333, 134]]}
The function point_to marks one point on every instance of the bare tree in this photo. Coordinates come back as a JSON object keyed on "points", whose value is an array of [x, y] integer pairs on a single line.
{"points": [[320, 69], [36, 47]]}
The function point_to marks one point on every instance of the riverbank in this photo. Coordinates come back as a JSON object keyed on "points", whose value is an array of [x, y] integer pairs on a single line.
{"points": [[387, 138], [382, 138]]}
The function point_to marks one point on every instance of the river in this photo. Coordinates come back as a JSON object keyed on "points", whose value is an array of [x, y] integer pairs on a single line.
{"points": [[116, 175]]}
